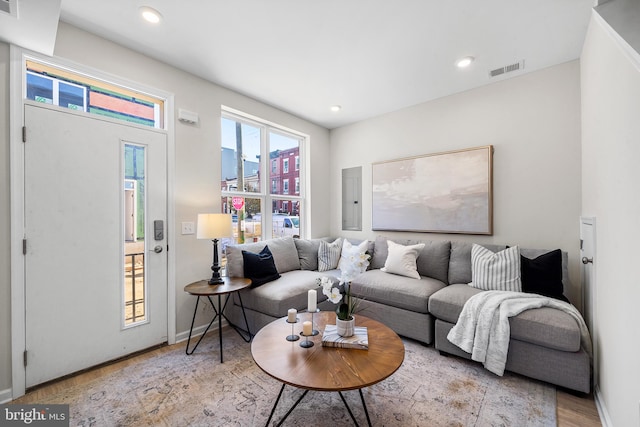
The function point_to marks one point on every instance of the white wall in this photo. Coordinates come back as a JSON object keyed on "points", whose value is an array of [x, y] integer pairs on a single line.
{"points": [[197, 159], [610, 192], [533, 122]]}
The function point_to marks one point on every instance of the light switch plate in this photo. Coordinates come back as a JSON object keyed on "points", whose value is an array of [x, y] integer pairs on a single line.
{"points": [[188, 228]]}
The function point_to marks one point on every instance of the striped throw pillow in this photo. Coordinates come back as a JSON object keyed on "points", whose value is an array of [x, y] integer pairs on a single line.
{"points": [[329, 255], [496, 271]]}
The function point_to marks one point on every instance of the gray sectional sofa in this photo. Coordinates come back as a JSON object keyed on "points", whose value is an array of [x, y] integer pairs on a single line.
{"points": [[545, 342]]}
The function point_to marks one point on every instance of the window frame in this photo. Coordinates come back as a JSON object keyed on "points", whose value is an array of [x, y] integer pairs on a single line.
{"points": [[266, 195], [98, 85]]}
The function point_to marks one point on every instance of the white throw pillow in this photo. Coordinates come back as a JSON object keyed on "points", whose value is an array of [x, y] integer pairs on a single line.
{"points": [[329, 255], [402, 259], [348, 250], [496, 271]]}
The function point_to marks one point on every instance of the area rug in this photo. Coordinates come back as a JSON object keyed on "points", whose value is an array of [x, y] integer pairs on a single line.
{"points": [[174, 389]]}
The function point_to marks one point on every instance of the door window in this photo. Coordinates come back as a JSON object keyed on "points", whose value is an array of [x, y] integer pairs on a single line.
{"points": [[134, 303]]}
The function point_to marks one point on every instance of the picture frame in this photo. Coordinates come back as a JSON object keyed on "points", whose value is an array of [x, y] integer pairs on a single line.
{"points": [[448, 192]]}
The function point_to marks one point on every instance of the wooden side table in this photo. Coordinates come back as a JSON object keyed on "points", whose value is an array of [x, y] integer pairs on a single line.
{"points": [[203, 289]]}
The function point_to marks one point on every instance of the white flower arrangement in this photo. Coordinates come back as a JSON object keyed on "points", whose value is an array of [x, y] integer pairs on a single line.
{"points": [[354, 265]]}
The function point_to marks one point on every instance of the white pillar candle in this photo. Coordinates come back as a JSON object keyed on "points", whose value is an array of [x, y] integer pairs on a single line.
{"points": [[312, 301], [291, 315], [306, 328]]}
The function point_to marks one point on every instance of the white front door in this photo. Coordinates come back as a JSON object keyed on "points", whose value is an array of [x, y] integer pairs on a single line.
{"points": [[81, 309]]}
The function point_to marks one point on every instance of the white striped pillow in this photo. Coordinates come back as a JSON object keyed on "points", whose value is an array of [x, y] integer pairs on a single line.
{"points": [[495, 271], [329, 255]]}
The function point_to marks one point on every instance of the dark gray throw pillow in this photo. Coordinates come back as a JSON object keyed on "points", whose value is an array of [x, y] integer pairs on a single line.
{"points": [[260, 267], [543, 275]]}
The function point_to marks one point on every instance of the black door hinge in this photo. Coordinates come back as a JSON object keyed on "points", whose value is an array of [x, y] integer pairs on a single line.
{"points": [[24, 134]]}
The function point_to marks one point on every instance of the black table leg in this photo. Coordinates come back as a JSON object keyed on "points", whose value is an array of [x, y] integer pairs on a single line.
{"points": [[273, 410], [364, 405], [274, 406], [218, 315], [239, 330], [348, 408], [195, 311]]}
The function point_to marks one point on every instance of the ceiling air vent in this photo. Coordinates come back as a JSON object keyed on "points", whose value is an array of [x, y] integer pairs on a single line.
{"points": [[507, 69], [9, 7]]}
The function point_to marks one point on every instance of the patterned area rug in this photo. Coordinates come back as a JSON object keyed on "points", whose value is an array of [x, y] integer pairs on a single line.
{"points": [[174, 389]]}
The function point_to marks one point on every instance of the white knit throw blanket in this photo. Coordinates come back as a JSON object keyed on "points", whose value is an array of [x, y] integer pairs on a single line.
{"points": [[483, 326]]}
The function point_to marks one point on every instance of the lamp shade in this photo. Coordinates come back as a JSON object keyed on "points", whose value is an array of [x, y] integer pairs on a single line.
{"points": [[214, 226]]}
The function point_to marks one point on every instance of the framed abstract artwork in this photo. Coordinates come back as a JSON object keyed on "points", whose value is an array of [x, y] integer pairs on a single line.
{"points": [[447, 192]]}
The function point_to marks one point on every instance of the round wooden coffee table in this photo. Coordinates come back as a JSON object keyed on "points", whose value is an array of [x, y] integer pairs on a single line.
{"points": [[326, 368]]}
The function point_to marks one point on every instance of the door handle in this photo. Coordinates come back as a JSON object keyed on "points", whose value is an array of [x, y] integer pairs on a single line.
{"points": [[586, 260], [157, 249]]}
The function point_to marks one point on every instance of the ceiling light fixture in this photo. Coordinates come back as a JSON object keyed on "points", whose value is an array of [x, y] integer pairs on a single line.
{"points": [[335, 108], [465, 62], [150, 14]]}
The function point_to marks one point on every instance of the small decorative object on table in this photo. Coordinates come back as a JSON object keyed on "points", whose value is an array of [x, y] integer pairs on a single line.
{"points": [[307, 331], [355, 265], [312, 307], [346, 328], [292, 318], [359, 339]]}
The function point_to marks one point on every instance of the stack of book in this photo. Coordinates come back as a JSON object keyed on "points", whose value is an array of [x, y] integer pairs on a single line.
{"points": [[360, 339]]}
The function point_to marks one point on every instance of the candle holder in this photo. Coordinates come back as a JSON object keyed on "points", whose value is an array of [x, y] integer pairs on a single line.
{"points": [[292, 337], [306, 343], [314, 331]]}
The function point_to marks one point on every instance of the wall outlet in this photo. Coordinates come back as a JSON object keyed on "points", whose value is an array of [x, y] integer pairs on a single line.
{"points": [[188, 228]]}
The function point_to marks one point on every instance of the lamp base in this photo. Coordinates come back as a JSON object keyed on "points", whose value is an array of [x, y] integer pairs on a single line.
{"points": [[216, 280], [215, 267]]}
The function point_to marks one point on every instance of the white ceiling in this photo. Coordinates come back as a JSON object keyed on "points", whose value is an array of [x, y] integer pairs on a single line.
{"points": [[369, 56]]}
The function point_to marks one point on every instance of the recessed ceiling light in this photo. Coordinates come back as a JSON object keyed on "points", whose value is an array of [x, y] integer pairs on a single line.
{"points": [[465, 62], [150, 14], [335, 108]]}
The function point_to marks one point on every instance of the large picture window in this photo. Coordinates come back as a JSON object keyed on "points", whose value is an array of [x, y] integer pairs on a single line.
{"points": [[256, 176]]}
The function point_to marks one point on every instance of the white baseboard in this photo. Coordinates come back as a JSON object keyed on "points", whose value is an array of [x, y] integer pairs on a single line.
{"points": [[6, 395], [197, 331], [602, 409]]}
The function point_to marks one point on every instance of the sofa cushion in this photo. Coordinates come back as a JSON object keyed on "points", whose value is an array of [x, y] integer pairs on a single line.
{"points": [[496, 271], [402, 259], [329, 255], [396, 291], [432, 261], [543, 275], [349, 249], [289, 291], [533, 253], [308, 253], [447, 304], [460, 261], [259, 267], [285, 255], [543, 326]]}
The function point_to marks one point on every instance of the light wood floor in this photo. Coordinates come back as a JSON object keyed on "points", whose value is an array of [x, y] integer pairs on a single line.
{"points": [[577, 411], [573, 411]]}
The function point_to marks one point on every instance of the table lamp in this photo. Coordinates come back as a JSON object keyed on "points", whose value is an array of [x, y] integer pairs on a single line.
{"points": [[214, 226]]}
